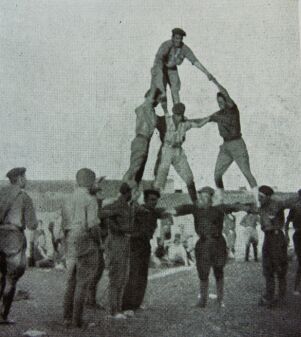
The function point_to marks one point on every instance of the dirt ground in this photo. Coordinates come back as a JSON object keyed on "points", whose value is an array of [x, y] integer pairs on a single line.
{"points": [[169, 308]]}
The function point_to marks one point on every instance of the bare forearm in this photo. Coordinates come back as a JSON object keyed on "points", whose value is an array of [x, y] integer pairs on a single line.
{"points": [[201, 67]]}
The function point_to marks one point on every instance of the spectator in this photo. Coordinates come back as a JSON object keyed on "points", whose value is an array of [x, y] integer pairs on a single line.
{"points": [[42, 260], [177, 253]]}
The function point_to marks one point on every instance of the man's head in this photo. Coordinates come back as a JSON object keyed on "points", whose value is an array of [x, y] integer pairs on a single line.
{"points": [[206, 195], [17, 176], [265, 193], [178, 112], [151, 198], [177, 37], [126, 191], [85, 178], [221, 100]]}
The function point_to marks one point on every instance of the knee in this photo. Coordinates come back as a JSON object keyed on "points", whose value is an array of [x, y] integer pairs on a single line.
{"points": [[219, 273]]}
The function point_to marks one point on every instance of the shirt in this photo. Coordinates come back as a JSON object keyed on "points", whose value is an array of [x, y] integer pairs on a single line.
{"points": [[295, 216], [175, 136], [272, 213], [170, 57], [146, 119], [250, 220], [228, 122], [208, 221], [79, 216], [21, 212]]}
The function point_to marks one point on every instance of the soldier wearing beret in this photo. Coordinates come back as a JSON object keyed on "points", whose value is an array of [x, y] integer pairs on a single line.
{"points": [[172, 129], [82, 233], [16, 214], [210, 249], [274, 249], [121, 213], [170, 55]]}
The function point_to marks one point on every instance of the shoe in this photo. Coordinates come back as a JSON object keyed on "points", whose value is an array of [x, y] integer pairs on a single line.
{"points": [[22, 295], [129, 313], [6, 321], [118, 316]]}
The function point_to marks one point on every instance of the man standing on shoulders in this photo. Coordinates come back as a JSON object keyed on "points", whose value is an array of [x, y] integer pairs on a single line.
{"points": [[294, 216], [170, 55], [81, 227], [16, 214]]}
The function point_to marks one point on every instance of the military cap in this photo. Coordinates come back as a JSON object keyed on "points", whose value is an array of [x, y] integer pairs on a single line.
{"points": [[178, 31], [85, 177], [16, 172], [125, 188], [207, 189], [149, 191], [178, 109], [267, 190]]}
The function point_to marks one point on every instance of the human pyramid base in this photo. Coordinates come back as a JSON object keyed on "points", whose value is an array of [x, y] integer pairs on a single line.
{"points": [[124, 227]]}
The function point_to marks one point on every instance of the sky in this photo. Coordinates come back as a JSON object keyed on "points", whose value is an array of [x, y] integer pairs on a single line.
{"points": [[73, 72]]}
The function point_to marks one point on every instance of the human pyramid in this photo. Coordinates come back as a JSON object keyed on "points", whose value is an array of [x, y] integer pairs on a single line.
{"points": [[130, 226]]}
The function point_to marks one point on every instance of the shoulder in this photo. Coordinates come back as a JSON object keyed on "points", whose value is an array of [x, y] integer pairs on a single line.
{"points": [[25, 197], [185, 48]]}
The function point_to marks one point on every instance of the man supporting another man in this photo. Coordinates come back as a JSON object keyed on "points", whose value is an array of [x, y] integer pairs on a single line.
{"points": [[16, 213]]}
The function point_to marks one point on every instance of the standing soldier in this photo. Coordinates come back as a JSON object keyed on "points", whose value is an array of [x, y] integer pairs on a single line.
{"points": [[81, 227], [140, 251], [16, 213], [170, 55], [274, 249], [122, 214], [210, 249], [294, 216], [234, 147], [250, 222], [173, 130], [145, 125]]}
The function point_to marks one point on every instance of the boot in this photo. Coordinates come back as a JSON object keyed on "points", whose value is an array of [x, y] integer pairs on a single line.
{"points": [[247, 253], [204, 294], [220, 292]]}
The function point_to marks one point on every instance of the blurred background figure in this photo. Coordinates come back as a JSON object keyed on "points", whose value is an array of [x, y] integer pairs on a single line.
{"points": [[229, 231], [177, 254], [250, 222]]}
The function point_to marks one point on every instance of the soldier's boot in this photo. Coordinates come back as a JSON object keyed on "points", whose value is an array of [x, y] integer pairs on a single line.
{"points": [[247, 251], [297, 282], [192, 191], [220, 291], [204, 294], [255, 252], [282, 289]]}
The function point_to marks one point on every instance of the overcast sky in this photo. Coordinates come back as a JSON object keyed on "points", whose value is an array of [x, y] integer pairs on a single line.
{"points": [[72, 73]]}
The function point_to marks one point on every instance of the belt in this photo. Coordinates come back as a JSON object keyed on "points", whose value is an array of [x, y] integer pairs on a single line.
{"points": [[273, 231], [173, 146], [232, 138]]}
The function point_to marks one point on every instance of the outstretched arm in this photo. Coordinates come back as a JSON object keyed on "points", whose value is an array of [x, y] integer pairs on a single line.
{"points": [[224, 92], [199, 65], [199, 122]]}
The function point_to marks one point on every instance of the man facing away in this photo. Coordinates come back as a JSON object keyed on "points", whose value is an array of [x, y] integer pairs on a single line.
{"points": [[250, 222], [173, 130], [81, 227], [294, 216], [170, 55], [234, 147], [210, 249], [274, 249], [16, 213]]}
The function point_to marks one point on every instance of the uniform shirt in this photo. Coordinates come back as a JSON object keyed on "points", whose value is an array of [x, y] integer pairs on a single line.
{"points": [[295, 216], [121, 214], [146, 119], [272, 213], [228, 123], [208, 221], [173, 136], [80, 214], [146, 223], [170, 57], [21, 213], [250, 220]]}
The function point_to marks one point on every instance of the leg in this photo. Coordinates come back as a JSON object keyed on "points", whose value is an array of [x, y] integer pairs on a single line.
{"points": [[219, 277], [297, 245], [175, 85], [92, 289], [70, 289], [241, 157], [183, 169], [163, 169], [247, 251], [202, 258], [158, 161], [158, 81], [3, 271], [255, 244], [223, 162]]}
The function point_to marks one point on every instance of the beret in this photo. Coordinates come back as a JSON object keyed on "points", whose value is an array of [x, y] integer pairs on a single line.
{"points": [[267, 190], [207, 189], [85, 177], [151, 191], [178, 109], [178, 31], [124, 188], [16, 172]]}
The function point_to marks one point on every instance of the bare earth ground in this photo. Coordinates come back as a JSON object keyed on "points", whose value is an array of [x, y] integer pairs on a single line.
{"points": [[169, 312]]}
